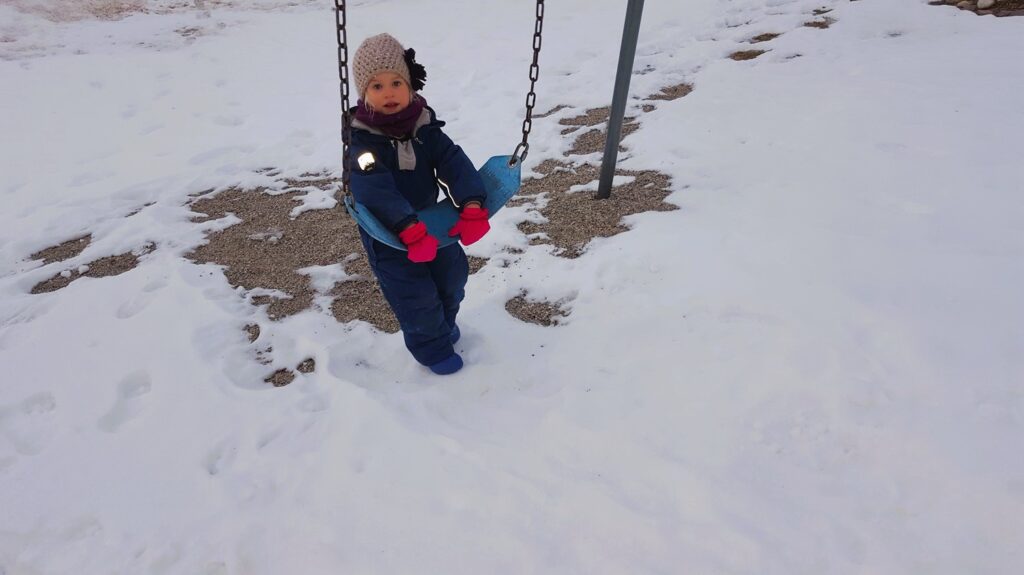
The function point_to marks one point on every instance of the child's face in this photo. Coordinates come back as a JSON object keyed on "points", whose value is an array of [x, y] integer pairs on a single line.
{"points": [[388, 93]]}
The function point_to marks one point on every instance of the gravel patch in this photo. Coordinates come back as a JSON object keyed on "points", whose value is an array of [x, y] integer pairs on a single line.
{"points": [[281, 377], [539, 312], [763, 38], [263, 355], [574, 219], [266, 248], [998, 8], [139, 209], [100, 268], [591, 117], [672, 92], [476, 263], [307, 365], [312, 179], [746, 55], [552, 111], [63, 251], [359, 297], [821, 24], [115, 265], [593, 141]]}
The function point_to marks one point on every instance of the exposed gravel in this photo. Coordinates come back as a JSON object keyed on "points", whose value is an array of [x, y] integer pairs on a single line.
{"points": [[63, 251], [360, 297], [999, 8], [100, 268], [266, 248], [591, 117], [764, 38], [746, 54], [574, 219], [672, 92], [822, 23], [281, 377], [539, 312]]}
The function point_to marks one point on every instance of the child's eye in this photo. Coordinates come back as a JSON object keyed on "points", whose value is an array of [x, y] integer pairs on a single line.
{"points": [[377, 86]]}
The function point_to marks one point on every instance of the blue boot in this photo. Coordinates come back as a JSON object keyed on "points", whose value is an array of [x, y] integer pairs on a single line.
{"points": [[456, 334], [448, 365]]}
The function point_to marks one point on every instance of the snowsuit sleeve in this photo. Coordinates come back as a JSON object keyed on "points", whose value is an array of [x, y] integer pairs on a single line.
{"points": [[455, 170], [374, 187]]}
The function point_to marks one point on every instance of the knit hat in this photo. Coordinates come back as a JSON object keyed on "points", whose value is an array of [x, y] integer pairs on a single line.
{"points": [[382, 53]]}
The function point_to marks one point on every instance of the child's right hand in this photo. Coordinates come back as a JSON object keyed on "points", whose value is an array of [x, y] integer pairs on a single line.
{"points": [[422, 246]]}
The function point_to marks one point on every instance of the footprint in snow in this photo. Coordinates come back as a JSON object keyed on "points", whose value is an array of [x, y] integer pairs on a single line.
{"points": [[128, 405], [155, 285], [220, 457], [268, 437], [219, 154], [26, 426], [134, 305], [314, 403], [800, 432], [142, 300], [86, 178], [229, 120]]}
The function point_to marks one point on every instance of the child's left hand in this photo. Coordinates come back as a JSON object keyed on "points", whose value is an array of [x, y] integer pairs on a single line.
{"points": [[472, 225]]}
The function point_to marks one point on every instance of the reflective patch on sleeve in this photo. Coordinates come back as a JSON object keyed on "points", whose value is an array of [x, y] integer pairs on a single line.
{"points": [[366, 161]]}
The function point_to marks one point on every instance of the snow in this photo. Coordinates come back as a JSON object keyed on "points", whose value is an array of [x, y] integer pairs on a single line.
{"points": [[814, 366]]}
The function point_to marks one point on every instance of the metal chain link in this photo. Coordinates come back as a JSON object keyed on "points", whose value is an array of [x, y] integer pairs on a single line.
{"points": [[346, 116], [531, 98]]}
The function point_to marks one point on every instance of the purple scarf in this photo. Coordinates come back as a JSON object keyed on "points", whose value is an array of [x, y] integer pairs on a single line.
{"points": [[398, 125]]}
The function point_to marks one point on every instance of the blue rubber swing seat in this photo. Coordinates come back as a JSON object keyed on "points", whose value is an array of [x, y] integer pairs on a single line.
{"points": [[501, 180]]}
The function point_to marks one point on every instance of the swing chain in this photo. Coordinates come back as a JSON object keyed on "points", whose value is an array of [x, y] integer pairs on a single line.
{"points": [[346, 115], [531, 98]]}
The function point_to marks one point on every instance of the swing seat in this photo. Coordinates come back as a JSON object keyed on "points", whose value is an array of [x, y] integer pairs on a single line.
{"points": [[501, 182]]}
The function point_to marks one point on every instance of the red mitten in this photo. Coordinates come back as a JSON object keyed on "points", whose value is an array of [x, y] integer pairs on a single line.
{"points": [[472, 225], [422, 246]]}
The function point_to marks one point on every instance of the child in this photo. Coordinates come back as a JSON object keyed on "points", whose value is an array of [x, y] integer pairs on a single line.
{"points": [[399, 155]]}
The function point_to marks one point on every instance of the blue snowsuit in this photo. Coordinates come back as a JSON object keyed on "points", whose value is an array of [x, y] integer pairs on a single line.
{"points": [[393, 178]]}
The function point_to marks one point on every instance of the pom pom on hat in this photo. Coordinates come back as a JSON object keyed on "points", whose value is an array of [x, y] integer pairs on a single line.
{"points": [[417, 73]]}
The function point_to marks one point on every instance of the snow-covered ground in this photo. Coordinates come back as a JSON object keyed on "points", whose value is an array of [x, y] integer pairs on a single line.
{"points": [[816, 365]]}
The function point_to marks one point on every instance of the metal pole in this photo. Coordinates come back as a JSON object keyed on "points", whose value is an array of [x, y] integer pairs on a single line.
{"points": [[630, 33]]}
